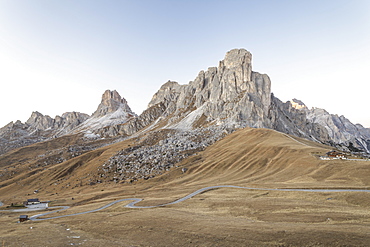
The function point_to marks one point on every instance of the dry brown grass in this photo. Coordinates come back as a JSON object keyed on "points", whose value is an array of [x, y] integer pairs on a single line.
{"points": [[222, 217]]}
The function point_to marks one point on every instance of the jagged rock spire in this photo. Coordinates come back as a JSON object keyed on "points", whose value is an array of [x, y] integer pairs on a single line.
{"points": [[297, 104], [229, 93], [111, 101], [240, 62]]}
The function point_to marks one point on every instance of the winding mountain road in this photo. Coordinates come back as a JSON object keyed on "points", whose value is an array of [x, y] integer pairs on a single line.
{"points": [[137, 200]]}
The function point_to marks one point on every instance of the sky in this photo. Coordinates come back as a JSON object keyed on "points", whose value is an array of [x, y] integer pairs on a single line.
{"points": [[60, 56]]}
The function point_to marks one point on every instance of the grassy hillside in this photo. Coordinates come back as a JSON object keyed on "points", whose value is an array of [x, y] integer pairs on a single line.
{"points": [[260, 157], [222, 217], [269, 158]]}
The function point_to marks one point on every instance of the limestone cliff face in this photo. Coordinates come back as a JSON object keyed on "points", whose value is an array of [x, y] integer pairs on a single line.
{"points": [[340, 130], [148, 117], [293, 117], [230, 93], [113, 110], [70, 120], [38, 128], [63, 123], [234, 96], [111, 102], [39, 121]]}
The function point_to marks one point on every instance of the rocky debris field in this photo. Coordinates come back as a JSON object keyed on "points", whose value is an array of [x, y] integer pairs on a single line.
{"points": [[157, 155]]}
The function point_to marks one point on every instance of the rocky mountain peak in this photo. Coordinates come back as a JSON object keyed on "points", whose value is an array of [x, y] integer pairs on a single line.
{"points": [[234, 95], [237, 57], [39, 121], [240, 61], [114, 95], [229, 93], [66, 122], [297, 104], [111, 101], [113, 110]]}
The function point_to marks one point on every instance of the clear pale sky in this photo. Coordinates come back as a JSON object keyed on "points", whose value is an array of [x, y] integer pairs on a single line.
{"points": [[58, 56]]}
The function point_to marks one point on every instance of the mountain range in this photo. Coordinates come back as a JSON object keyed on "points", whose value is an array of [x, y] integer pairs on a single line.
{"points": [[180, 121], [230, 96]]}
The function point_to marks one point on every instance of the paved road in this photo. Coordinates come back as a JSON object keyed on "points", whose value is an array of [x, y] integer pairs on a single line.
{"points": [[27, 209], [137, 200]]}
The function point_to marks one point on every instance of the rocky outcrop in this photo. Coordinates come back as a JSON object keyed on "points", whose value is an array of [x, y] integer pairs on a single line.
{"points": [[15, 135], [69, 120], [233, 95], [111, 102], [161, 151], [229, 93], [61, 124], [293, 117], [148, 117], [341, 131], [112, 111], [38, 128], [38, 121]]}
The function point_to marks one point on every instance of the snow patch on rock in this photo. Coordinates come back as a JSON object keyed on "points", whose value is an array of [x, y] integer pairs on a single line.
{"points": [[188, 121]]}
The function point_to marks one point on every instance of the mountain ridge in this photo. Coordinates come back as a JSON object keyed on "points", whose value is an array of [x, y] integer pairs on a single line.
{"points": [[112, 110], [229, 95]]}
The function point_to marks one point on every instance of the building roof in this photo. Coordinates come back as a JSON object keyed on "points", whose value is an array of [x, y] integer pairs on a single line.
{"points": [[33, 200]]}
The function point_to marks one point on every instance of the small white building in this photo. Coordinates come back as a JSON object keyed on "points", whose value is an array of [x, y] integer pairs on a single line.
{"points": [[35, 203]]}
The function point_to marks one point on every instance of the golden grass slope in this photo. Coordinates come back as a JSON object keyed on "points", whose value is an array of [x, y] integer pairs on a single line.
{"points": [[222, 217], [258, 157], [270, 158]]}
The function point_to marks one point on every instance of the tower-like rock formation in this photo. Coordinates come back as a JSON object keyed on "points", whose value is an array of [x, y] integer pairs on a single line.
{"points": [[111, 102], [230, 93], [113, 110]]}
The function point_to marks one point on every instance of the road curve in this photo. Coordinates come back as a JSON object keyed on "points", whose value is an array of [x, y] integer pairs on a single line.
{"points": [[137, 200]]}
